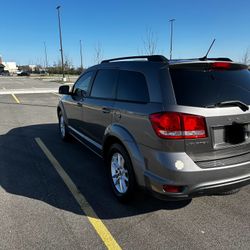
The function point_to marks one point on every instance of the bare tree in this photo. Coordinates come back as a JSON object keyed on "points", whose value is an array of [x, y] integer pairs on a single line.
{"points": [[98, 53], [150, 42], [68, 63], [246, 57]]}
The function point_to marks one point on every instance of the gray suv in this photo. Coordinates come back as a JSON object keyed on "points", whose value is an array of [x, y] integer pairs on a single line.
{"points": [[177, 128]]}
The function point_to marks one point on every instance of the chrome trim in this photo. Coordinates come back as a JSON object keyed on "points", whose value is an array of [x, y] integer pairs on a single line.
{"points": [[85, 145], [99, 146]]}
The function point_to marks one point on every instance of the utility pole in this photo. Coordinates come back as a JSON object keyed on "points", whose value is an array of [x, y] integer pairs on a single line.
{"points": [[171, 36], [61, 47], [46, 57], [81, 53]]}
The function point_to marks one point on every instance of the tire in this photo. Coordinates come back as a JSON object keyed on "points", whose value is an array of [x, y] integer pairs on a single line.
{"points": [[234, 191], [121, 173], [63, 130]]}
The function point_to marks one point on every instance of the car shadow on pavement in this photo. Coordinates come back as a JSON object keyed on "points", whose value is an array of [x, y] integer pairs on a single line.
{"points": [[25, 171]]}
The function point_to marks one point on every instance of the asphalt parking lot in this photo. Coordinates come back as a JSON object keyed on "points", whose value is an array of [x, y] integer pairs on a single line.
{"points": [[40, 211]]}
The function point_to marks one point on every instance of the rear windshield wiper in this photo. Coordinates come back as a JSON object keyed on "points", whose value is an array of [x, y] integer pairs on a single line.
{"points": [[237, 103]]}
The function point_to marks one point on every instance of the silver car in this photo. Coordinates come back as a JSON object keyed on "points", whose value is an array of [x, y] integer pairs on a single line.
{"points": [[179, 128]]}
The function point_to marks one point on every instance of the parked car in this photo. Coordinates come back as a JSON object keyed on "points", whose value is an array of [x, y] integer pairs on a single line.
{"points": [[179, 128], [23, 73], [43, 73], [5, 73]]}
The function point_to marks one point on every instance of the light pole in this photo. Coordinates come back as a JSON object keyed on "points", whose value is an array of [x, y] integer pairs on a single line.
{"points": [[171, 36], [46, 57], [61, 47], [81, 53]]}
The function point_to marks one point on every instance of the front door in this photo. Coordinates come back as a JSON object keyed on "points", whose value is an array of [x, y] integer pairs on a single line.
{"points": [[73, 103]]}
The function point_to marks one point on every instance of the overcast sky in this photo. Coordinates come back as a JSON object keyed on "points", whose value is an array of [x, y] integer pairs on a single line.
{"points": [[119, 26]]}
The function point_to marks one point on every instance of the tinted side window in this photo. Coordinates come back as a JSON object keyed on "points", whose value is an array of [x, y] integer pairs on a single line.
{"points": [[82, 85], [132, 86], [104, 84]]}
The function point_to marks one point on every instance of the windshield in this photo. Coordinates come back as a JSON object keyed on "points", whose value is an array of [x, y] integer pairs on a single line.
{"points": [[206, 87]]}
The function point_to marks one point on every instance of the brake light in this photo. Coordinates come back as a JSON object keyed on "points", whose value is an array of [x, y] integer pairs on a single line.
{"points": [[221, 65], [173, 125]]}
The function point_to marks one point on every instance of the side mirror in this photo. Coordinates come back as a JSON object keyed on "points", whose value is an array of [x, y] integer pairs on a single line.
{"points": [[64, 90]]}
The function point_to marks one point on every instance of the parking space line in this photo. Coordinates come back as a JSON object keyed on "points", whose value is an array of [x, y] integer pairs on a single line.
{"points": [[94, 220], [16, 99], [55, 94]]}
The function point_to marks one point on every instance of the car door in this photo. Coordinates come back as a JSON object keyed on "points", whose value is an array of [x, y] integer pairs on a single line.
{"points": [[73, 103], [98, 106]]}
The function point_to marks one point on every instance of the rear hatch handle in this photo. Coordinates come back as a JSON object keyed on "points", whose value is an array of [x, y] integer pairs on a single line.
{"points": [[233, 103]]}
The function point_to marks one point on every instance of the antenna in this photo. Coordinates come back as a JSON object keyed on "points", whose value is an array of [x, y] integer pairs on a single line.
{"points": [[205, 57]]}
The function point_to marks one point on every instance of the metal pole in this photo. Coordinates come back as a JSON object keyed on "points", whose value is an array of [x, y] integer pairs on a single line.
{"points": [[171, 37], [46, 57], [81, 53], [60, 34]]}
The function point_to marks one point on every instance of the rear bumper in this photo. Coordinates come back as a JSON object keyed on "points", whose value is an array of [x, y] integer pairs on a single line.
{"points": [[220, 187], [161, 169], [203, 190]]}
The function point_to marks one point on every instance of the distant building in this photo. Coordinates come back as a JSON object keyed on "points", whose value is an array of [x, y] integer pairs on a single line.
{"points": [[10, 66], [32, 67], [1, 67]]}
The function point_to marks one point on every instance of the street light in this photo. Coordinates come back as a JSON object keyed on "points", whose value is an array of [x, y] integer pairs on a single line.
{"points": [[81, 54], [171, 36], [46, 57], [61, 47]]}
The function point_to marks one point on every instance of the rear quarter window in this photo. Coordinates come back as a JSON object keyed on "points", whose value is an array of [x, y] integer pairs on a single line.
{"points": [[132, 87]]}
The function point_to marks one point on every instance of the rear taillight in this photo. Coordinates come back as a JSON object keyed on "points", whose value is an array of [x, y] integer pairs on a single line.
{"points": [[173, 125]]}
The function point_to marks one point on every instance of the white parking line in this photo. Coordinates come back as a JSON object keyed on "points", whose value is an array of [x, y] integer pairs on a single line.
{"points": [[28, 91]]}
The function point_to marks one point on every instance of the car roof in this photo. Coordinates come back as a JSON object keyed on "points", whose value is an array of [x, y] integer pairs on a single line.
{"points": [[148, 61]]}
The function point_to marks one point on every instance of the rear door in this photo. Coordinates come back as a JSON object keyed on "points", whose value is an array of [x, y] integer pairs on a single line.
{"points": [[215, 91], [98, 106]]}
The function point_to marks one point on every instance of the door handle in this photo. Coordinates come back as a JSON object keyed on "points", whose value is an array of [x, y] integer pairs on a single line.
{"points": [[106, 110], [118, 115]]}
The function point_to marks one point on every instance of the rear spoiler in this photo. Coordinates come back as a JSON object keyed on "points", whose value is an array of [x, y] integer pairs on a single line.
{"points": [[208, 65]]}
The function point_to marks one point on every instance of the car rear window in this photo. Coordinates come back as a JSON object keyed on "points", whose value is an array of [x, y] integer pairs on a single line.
{"points": [[202, 88]]}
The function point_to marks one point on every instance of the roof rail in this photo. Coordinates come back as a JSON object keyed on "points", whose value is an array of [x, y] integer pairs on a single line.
{"points": [[153, 58]]}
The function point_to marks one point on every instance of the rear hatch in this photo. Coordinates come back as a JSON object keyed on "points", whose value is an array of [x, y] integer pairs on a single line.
{"points": [[219, 92]]}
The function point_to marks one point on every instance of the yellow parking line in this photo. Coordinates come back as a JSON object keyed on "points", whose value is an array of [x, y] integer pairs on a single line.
{"points": [[55, 94], [16, 99], [95, 221]]}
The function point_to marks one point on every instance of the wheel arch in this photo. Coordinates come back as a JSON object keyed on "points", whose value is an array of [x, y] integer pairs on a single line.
{"points": [[118, 134], [60, 108]]}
